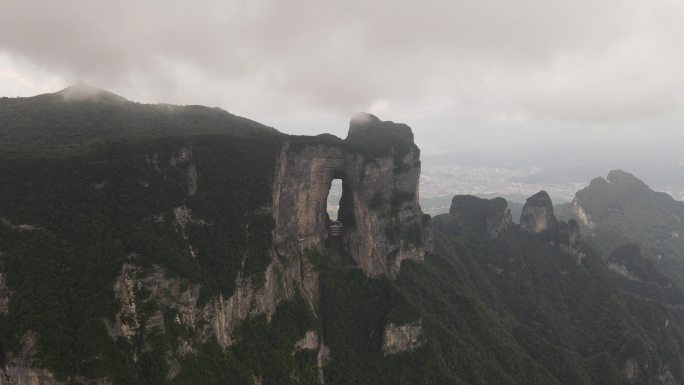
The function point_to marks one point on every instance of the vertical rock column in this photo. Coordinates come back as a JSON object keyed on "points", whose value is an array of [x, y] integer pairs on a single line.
{"points": [[379, 165], [301, 188], [382, 166]]}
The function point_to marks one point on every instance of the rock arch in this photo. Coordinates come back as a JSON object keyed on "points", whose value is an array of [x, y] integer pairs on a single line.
{"points": [[379, 166]]}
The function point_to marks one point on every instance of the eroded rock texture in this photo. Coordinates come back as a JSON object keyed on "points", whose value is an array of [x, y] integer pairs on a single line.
{"points": [[382, 225], [379, 167], [537, 214], [402, 338], [490, 215]]}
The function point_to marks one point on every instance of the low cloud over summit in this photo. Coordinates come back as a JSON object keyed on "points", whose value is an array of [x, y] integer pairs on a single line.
{"points": [[442, 63]]}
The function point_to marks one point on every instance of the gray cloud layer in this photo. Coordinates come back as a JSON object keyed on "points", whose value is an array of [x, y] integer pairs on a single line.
{"points": [[497, 65]]}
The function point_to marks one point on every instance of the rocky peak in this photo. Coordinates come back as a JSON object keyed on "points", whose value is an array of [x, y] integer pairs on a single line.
{"points": [[620, 177], [498, 217], [362, 125], [627, 261], [81, 91], [361, 121], [598, 182], [483, 215], [402, 338], [379, 166], [537, 214]]}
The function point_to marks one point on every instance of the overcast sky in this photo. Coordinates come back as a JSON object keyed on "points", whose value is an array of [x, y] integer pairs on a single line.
{"points": [[460, 72]]}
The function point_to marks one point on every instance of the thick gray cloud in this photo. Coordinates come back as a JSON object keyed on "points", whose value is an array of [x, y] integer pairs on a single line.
{"points": [[468, 69]]}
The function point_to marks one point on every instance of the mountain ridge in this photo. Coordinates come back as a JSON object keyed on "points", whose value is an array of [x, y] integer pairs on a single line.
{"points": [[210, 259], [621, 209], [77, 116]]}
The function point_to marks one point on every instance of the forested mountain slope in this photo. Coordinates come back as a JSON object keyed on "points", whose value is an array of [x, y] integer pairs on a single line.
{"points": [[201, 253], [70, 120], [621, 209]]}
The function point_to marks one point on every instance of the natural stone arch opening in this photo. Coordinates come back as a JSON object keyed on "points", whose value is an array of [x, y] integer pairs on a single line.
{"points": [[334, 197], [381, 222], [338, 204]]}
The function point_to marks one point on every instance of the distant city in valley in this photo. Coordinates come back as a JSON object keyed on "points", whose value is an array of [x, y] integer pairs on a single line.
{"points": [[515, 173]]}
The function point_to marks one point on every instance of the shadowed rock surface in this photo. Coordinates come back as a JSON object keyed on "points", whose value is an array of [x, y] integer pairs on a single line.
{"points": [[379, 165], [537, 214], [202, 254], [621, 209], [489, 215]]}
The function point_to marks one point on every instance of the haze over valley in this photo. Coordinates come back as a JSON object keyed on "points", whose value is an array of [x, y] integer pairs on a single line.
{"points": [[341, 192]]}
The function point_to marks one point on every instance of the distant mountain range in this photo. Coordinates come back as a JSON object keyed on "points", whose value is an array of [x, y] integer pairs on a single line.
{"points": [[621, 209], [560, 169]]}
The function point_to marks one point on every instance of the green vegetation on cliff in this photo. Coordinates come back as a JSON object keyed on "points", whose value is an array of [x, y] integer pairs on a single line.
{"points": [[189, 193], [622, 209], [178, 187]]}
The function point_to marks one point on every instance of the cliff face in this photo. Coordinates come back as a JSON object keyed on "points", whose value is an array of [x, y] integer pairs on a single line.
{"points": [[621, 209], [537, 215], [379, 166], [189, 260], [491, 216], [211, 235], [402, 338], [304, 174]]}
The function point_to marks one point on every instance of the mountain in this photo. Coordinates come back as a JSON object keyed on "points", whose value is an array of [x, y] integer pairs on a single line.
{"points": [[574, 315], [621, 209], [441, 204], [72, 118], [185, 253]]}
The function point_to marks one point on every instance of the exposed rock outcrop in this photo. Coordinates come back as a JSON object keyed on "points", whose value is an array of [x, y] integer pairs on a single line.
{"points": [[303, 178], [381, 220], [125, 322], [183, 216], [619, 268], [498, 217], [628, 261], [490, 215], [322, 359], [136, 286], [223, 314], [570, 239], [537, 214], [574, 236], [620, 209], [382, 226], [402, 338], [582, 214], [308, 342]]}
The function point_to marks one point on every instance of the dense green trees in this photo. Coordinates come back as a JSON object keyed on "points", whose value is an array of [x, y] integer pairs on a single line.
{"points": [[515, 310], [70, 222]]}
